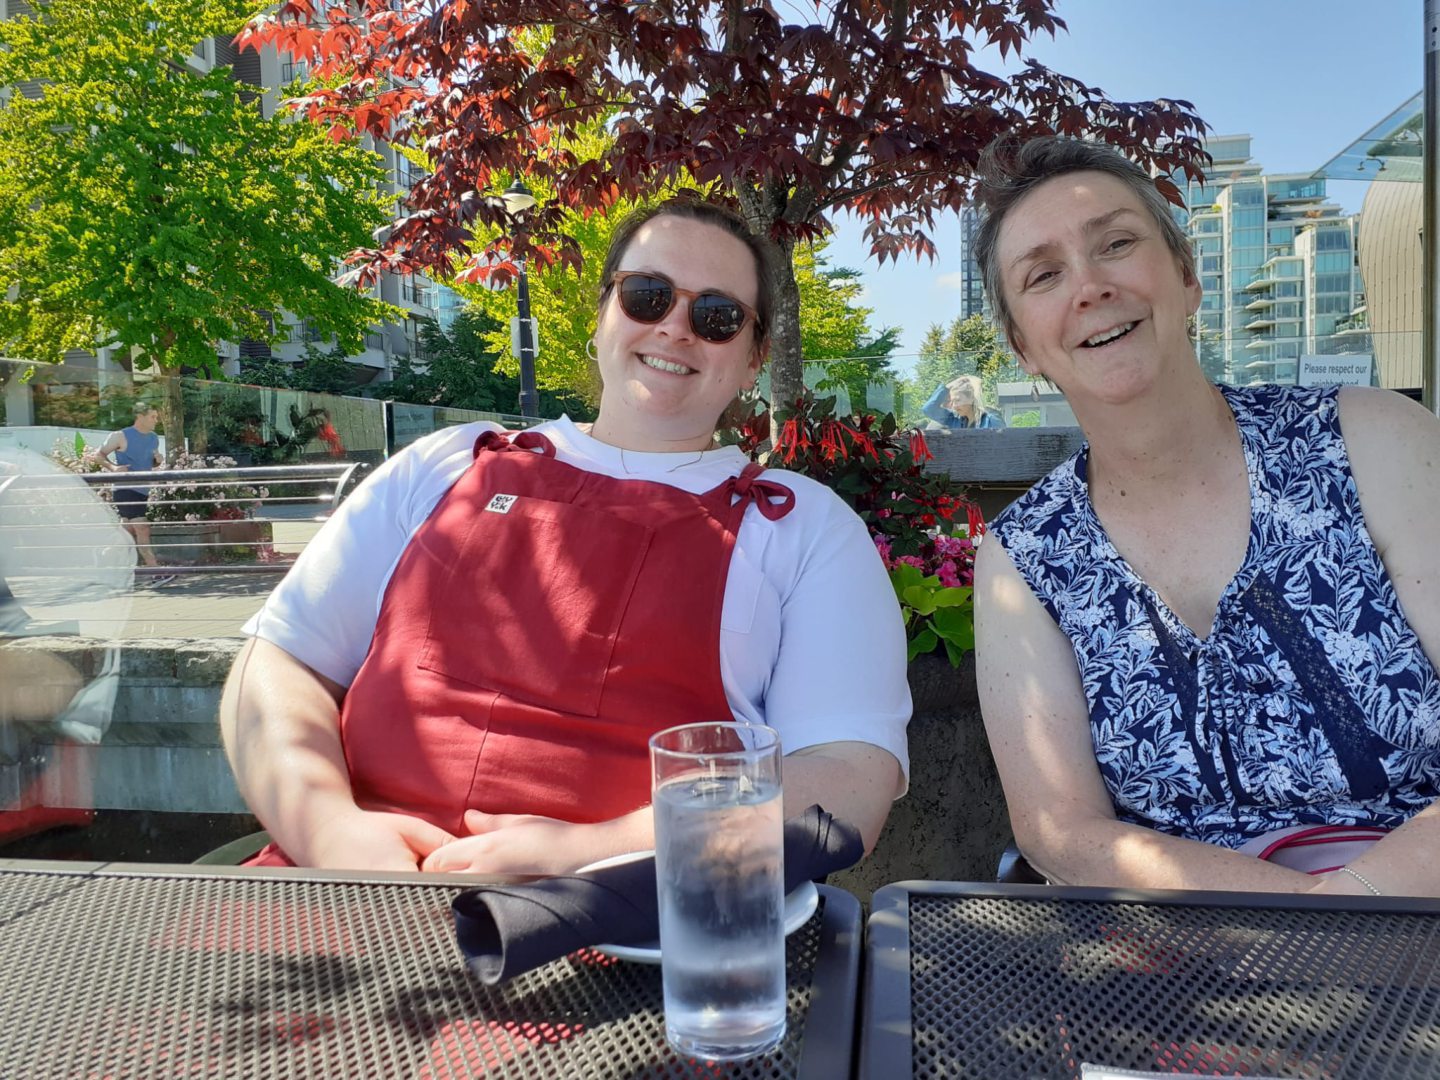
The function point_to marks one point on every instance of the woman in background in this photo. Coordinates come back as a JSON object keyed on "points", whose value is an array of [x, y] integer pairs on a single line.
{"points": [[960, 404]]}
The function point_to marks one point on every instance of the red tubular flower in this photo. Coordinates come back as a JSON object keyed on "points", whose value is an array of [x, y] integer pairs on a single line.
{"points": [[919, 448], [831, 442], [973, 518], [793, 439], [865, 443]]}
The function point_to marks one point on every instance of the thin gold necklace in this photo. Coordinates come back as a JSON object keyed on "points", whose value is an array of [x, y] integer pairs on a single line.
{"points": [[683, 465]]}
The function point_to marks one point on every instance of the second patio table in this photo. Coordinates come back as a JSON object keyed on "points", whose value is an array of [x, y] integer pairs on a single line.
{"points": [[997, 981]]}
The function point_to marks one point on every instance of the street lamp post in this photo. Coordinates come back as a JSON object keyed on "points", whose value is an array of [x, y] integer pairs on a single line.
{"points": [[518, 199]]}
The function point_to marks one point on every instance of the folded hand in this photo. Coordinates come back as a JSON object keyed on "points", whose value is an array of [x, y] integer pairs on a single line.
{"points": [[375, 840], [519, 844]]}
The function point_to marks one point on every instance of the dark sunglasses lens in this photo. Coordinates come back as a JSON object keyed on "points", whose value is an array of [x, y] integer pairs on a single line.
{"points": [[646, 299], [716, 318]]}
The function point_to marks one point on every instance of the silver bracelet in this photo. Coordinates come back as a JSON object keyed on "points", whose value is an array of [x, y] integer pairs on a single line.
{"points": [[1362, 879]]}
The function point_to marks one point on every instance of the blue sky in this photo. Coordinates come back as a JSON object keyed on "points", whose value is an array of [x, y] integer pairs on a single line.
{"points": [[1303, 77]]}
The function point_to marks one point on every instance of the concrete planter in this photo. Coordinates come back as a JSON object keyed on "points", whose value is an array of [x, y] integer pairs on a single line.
{"points": [[953, 823], [184, 543], [191, 543]]}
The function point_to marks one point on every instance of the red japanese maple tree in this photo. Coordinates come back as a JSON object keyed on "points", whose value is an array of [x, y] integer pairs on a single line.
{"points": [[864, 105]]}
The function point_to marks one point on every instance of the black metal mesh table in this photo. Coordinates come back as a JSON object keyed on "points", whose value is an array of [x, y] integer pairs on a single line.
{"points": [[995, 981], [127, 971]]}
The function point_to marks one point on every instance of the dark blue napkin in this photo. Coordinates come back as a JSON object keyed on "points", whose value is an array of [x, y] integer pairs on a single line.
{"points": [[506, 930]]}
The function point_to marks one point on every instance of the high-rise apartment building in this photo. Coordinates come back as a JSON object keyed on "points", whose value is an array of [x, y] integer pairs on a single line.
{"points": [[1276, 263], [972, 284]]}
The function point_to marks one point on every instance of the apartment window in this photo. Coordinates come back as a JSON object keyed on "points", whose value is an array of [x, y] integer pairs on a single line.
{"points": [[1332, 283], [1248, 218], [1246, 238], [1332, 262], [1247, 195], [1332, 240], [291, 70]]}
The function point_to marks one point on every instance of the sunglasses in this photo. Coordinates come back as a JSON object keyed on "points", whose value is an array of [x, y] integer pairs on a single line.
{"points": [[648, 298]]}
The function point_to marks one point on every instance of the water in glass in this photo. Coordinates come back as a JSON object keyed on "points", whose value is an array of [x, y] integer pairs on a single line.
{"points": [[719, 860]]}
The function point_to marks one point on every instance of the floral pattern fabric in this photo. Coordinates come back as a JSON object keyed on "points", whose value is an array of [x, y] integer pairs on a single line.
{"points": [[1310, 701]]}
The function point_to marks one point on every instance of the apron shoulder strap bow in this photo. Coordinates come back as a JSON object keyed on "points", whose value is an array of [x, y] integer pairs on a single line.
{"points": [[500, 442], [748, 487]]}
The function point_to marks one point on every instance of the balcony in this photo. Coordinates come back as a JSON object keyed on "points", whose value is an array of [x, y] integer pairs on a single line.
{"points": [[1264, 322], [1262, 280], [415, 293], [1353, 325], [1260, 303]]}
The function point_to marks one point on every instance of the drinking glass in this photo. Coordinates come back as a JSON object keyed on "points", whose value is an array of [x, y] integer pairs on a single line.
{"points": [[720, 875]]}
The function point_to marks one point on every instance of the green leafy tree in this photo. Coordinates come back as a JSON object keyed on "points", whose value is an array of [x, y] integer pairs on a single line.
{"points": [[149, 207], [838, 342], [1210, 351], [320, 370], [458, 370]]}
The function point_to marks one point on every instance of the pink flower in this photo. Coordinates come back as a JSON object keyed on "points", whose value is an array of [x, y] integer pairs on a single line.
{"points": [[948, 577], [911, 560], [882, 545]]}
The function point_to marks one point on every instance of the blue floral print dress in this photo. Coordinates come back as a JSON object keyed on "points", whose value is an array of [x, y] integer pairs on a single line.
{"points": [[1310, 701]]}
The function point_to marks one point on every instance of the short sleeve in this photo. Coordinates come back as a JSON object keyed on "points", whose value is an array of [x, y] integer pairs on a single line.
{"points": [[324, 611], [840, 674]]}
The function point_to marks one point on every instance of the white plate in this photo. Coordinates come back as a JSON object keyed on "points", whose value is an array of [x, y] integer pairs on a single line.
{"points": [[800, 904]]}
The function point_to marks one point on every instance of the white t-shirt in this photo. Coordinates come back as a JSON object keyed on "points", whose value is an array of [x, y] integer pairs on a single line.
{"points": [[811, 638]]}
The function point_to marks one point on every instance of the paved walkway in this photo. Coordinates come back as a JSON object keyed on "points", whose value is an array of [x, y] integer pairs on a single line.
{"points": [[191, 606]]}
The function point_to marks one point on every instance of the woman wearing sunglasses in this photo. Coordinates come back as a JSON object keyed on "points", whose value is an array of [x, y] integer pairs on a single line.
{"points": [[463, 669]]}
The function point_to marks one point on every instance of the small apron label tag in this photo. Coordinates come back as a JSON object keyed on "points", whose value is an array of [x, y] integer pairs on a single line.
{"points": [[501, 504]]}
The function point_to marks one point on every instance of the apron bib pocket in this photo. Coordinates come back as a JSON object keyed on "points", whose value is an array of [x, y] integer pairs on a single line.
{"points": [[540, 638]]}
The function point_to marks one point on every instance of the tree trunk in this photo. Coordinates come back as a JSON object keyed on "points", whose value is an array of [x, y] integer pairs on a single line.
{"points": [[787, 378]]}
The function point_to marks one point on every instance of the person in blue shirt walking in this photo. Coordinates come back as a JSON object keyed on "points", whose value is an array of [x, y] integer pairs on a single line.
{"points": [[136, 449], [959, 404]]}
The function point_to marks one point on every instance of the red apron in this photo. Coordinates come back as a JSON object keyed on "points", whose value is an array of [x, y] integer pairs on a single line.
{"points": [[540, 626]]}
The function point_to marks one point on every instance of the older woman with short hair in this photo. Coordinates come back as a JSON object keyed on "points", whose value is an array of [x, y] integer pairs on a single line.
{"points": [[1209, 634]]}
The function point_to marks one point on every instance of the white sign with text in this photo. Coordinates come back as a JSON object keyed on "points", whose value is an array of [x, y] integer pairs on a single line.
{"points": [[1356, 369]]}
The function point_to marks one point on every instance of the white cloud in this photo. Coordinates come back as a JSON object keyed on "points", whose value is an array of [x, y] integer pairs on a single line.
{"points": [[953, 280]]}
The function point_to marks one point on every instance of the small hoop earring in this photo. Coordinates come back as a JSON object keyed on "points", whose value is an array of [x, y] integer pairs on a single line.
{"points": [[590, 351]]}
